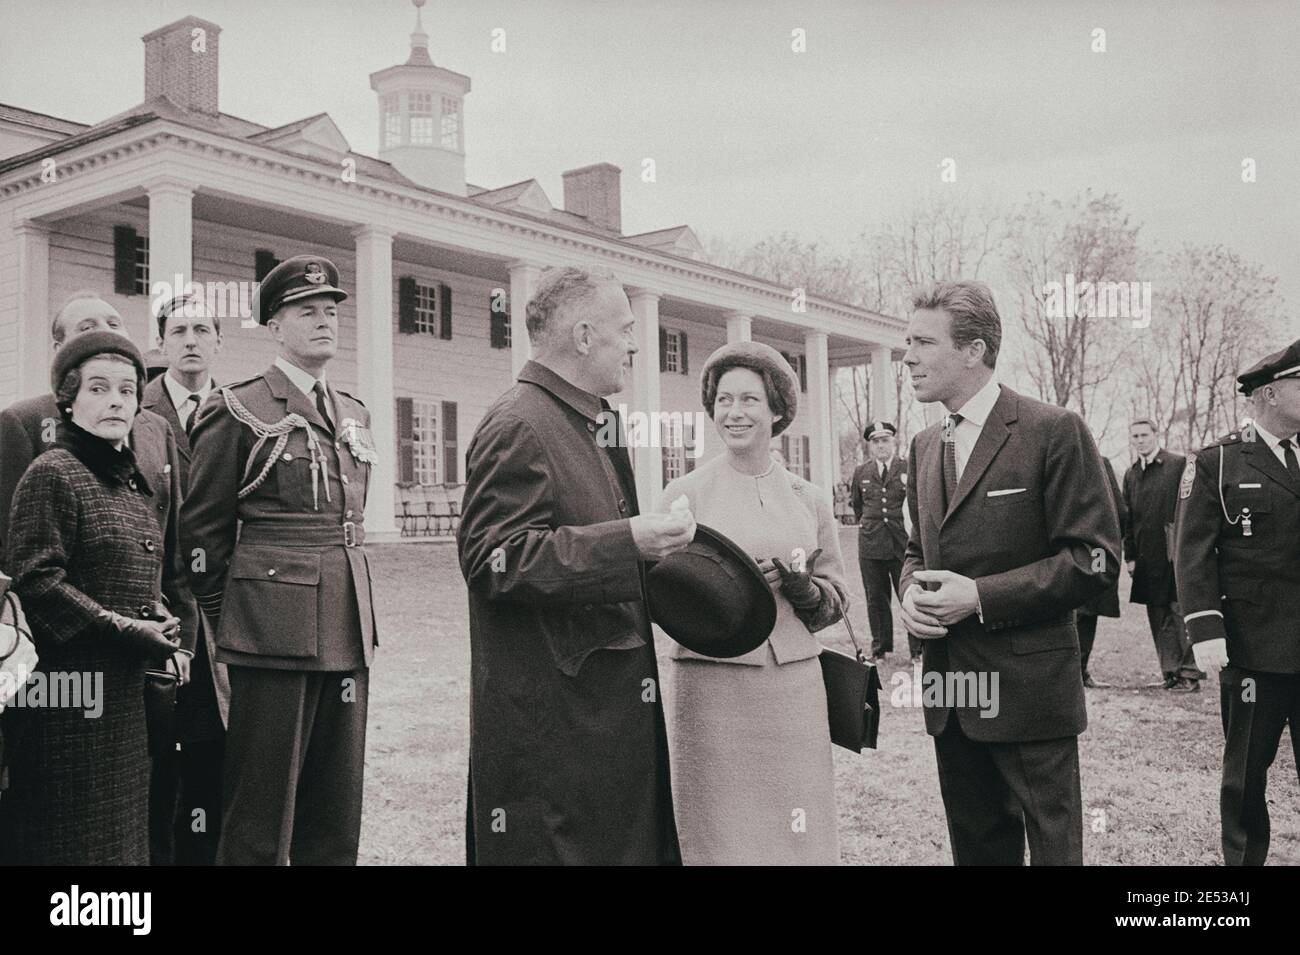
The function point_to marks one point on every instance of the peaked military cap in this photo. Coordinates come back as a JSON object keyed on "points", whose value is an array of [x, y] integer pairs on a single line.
{"points": [[299, 277], [1280, 364], [877, 428]]}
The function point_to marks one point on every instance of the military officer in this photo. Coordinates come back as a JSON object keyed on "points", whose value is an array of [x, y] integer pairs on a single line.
{"points": [[879, 488], [1237, 559], [273, 526]]}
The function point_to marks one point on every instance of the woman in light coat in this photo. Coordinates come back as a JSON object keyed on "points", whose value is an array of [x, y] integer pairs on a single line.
{"points": [[753, 781]]}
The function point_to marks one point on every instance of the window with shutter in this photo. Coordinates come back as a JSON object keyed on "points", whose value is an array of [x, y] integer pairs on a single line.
{"points": [[406, 286], [683, 356], [263, 262], [499, 319], [124, 260], [663, 349], [450, 447], [444, 330], [405, 441]]}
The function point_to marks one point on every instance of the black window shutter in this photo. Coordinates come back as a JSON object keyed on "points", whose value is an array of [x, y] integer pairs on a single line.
{"points": [[682, 361], [803, 372], [124, 239], [263, 262], [444, 306], [663, 467], [663, 349], [406, 305], [405, 441], [690, 450], [498, 317], [785, 448], [450, 474]]}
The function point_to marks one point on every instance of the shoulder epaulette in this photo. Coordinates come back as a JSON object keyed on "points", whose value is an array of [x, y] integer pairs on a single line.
{"points": [[1232, 437]]}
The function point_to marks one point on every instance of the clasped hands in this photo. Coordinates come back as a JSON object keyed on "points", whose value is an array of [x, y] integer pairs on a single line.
{"points": [[927, 614]]}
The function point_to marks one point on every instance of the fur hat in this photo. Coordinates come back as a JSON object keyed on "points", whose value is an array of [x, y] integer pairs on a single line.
{"points": [[759, 358]]}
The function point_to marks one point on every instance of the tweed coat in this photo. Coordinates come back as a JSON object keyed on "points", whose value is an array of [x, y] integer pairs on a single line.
{"points": [[81, 542], [568, 752]]}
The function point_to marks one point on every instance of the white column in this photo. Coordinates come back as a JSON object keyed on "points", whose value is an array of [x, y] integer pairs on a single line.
{"points": [[740, 327], [523, 280], [819, 405], [374, 304], [647, 462], [882, 386], [171, 235], [832, 406], [33, 315]]}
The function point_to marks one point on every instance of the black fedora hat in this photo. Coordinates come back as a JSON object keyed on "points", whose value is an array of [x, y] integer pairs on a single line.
{"points": [[711, 597]]}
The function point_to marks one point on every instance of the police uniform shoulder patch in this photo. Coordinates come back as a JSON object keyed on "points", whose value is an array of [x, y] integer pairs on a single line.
{"points": [[1189, 478]]}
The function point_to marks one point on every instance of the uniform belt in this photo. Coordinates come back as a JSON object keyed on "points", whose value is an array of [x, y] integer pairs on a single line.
{"points": [[292, 534]]}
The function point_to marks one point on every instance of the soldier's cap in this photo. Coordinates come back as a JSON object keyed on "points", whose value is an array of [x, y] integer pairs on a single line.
{"points": [[297, 278], [1279, 365], [877, 428], [87, 345]]}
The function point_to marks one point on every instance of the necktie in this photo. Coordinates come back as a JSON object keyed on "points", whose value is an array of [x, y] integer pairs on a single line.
{"points": [[881, 472], [949, 439], [322, 403], [193, 402], [1288, 452]]}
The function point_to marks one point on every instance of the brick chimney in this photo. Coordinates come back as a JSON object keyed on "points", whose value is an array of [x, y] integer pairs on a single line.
{"points": [[180, 62], [594, 192]]}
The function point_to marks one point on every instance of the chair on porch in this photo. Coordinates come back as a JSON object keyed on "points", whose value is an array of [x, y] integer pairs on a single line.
{"points": [[440, 516], [455, 495]]}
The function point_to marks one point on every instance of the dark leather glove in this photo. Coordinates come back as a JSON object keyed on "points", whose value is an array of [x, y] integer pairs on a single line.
{"points": [[147, 639], [798, 586]]}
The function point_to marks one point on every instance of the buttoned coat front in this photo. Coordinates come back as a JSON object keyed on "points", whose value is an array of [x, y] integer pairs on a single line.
{"points": [[280, 605], [568, 754]]}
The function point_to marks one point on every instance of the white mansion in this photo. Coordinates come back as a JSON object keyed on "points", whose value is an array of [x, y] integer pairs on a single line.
{"points": [[175, 187]]}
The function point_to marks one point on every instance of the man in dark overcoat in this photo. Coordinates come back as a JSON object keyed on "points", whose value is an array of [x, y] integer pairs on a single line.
{"points": [[879, 491], [1150, 495], [277, 500], [568, 754], [1012, 530], [27, 430], [185, 784]]}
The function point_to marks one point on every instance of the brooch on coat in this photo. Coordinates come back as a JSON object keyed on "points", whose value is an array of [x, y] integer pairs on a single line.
{"points": [[359, 442]]}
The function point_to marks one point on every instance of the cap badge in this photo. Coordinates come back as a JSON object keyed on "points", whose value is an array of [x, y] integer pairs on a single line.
{"points": [[314, 274]]}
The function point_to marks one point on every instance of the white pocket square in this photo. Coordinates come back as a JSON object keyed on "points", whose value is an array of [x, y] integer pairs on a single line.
{"points": [[1010, 490]]}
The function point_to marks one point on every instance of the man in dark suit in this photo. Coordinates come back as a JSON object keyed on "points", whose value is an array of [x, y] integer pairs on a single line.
{"points": [[1012, 529], [1150, 494], [568, 751], [277, 499], [27, 429], [185, 783], [1105, 604], [1237, 555], [879, 490]]}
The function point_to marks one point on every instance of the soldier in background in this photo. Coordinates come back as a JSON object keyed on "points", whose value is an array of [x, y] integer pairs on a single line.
{"points": [[878, 491], [274, 519], [1237, 551]]}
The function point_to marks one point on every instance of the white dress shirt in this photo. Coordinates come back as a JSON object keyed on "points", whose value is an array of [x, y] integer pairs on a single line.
{"points": [[180, 396], [1273, 440], [974, 413]]}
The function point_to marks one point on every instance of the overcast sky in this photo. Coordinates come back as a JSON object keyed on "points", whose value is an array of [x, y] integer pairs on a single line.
{"points": [[751, 138]]}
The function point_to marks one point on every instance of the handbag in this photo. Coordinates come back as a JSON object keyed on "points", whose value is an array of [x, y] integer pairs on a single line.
{"points": [[852, 696], [160, 711]]}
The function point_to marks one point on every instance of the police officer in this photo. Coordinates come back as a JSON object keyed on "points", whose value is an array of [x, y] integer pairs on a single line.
{"points": [[273, 526], [879, 490], [1237, 558]]}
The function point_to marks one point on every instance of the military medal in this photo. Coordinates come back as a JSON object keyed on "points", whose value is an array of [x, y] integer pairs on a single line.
{"points": [[358, 442], [1245, 522]]}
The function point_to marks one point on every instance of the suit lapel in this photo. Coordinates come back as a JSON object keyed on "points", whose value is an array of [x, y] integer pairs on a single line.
{"points": [[295, 401], [159, 402], [993, 435], [930, 473], [1261, 457]]}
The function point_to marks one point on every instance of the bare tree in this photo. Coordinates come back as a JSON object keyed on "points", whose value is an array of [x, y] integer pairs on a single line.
{"points": [[1060, 253]]}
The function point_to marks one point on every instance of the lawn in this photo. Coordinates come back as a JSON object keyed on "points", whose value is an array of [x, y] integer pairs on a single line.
{"points": [[1150, 759]]}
